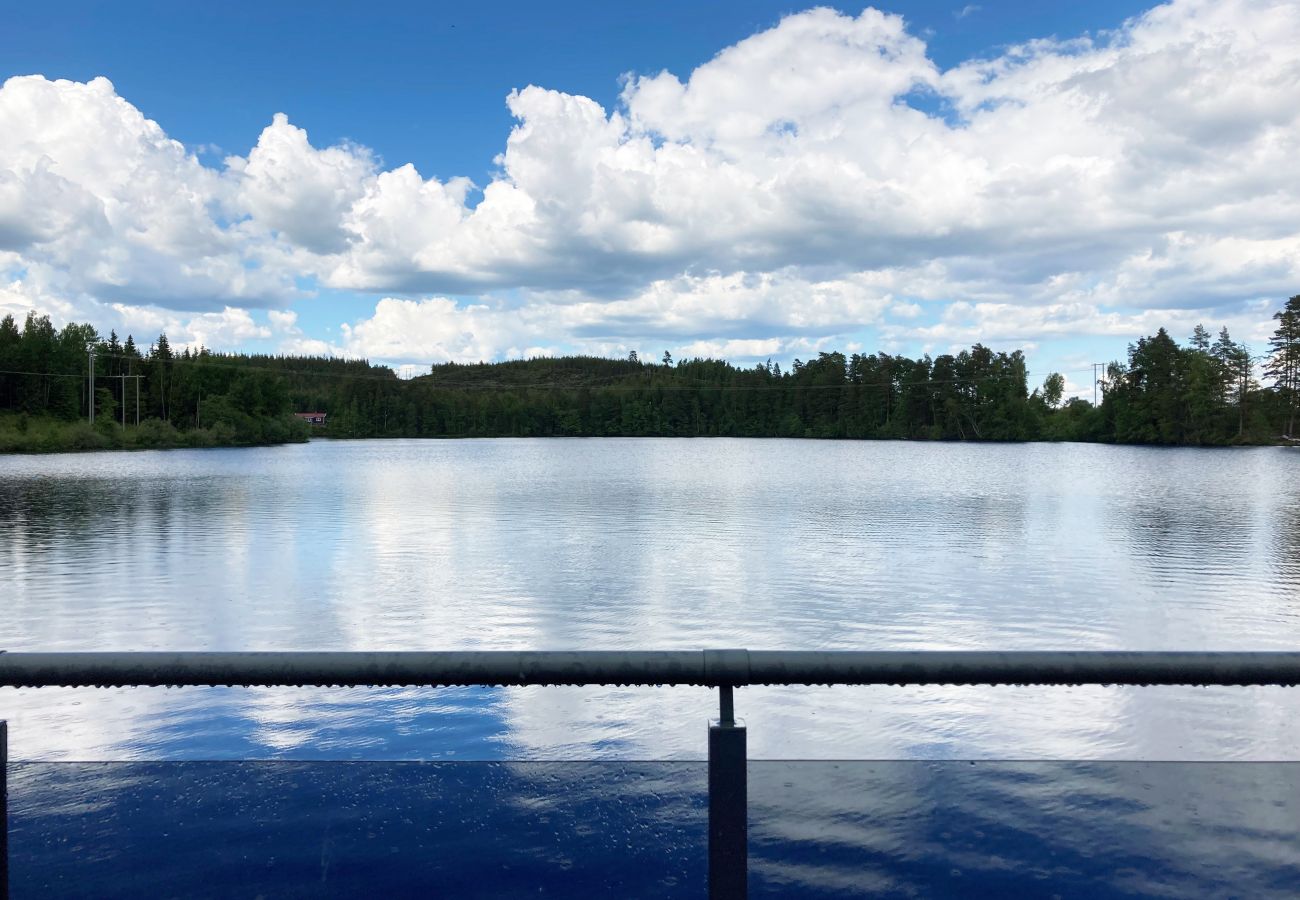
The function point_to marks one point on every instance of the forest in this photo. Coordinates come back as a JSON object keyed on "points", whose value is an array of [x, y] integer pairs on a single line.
{"points": [[1207, 391], [149, 399]]}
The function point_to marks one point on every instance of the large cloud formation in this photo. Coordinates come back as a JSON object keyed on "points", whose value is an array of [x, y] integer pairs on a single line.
{"points": [[812, 180]]}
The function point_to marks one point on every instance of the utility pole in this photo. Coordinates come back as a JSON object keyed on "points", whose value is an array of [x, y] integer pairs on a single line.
{"points": [[136, 379], [90, 351]]}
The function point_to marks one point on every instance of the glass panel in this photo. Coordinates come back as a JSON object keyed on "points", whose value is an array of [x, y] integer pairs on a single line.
{"points": [[630, 829], [290, 829], [1016, 829]]}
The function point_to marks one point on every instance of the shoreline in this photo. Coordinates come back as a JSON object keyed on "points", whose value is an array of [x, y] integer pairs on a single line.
{"points": [[41, 435], [187, 442]]}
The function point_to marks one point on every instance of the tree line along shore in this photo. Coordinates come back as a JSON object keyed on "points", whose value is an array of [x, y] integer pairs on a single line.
{"points": [[1206, 391]]}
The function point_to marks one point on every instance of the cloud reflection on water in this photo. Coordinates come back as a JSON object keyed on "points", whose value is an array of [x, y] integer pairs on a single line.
{"points": [[652, 544]]}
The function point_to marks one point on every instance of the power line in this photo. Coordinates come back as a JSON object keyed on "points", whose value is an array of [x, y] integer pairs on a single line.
{"points": [[646, 384], [394, 377], [41, 374], [90, 394], [191, 361]]}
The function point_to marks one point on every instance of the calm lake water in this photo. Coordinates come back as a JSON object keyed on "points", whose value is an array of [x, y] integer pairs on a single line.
{"points": [[673, 544], [646, 543]]}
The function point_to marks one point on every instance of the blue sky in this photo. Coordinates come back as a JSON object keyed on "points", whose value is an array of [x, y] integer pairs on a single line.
{"points": [[426, 83], [951, 227]]}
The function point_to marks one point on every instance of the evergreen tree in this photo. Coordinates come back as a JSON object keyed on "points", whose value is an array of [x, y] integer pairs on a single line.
{"points": [[1200, 393], [1284, 362], [1234, 364]]}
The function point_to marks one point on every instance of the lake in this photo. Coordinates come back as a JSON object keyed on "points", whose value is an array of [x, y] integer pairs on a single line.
{"points": [[652, 544], [677, 544]]}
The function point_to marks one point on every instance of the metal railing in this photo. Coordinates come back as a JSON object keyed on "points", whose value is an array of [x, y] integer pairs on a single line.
{"points": [[721, 669]]}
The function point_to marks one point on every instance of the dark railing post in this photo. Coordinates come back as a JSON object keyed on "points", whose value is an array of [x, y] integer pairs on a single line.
{"points": [[728, 825], [4, 810]]}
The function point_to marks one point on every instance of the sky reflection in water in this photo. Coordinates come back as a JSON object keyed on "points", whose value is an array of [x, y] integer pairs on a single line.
{"points": [[626, 544], [636, 829]]}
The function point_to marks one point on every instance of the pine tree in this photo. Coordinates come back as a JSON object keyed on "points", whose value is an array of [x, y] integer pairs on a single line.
{"points": [[160, 355], [1284, 362], [1234, 362]]}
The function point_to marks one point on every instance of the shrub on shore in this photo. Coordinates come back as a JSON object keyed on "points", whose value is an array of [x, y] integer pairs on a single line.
{"points": [[22, 433]]}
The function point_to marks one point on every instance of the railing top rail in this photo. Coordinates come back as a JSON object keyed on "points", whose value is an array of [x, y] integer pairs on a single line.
{"points": [[647, 667]]}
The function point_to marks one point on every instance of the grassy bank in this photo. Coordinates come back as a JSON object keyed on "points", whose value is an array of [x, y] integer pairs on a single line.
{"points": [[21, 433]]}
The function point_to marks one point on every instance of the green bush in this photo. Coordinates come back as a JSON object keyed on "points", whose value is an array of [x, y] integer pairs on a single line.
{"points": [[82, 436], [223, 435], [23, 433], [154, 433]]}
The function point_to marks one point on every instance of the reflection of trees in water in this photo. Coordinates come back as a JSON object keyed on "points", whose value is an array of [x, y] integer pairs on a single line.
{"points": [[969, 523], [1285, 538], [1176, 537], [46, 512], [1214, 530]]}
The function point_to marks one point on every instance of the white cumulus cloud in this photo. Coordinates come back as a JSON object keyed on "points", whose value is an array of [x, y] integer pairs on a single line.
{"points": [[817, 178], [95, 195]]}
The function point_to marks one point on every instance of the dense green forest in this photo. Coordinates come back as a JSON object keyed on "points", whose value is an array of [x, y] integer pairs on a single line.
{"points": [[1202, 392], [153, 398]]}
